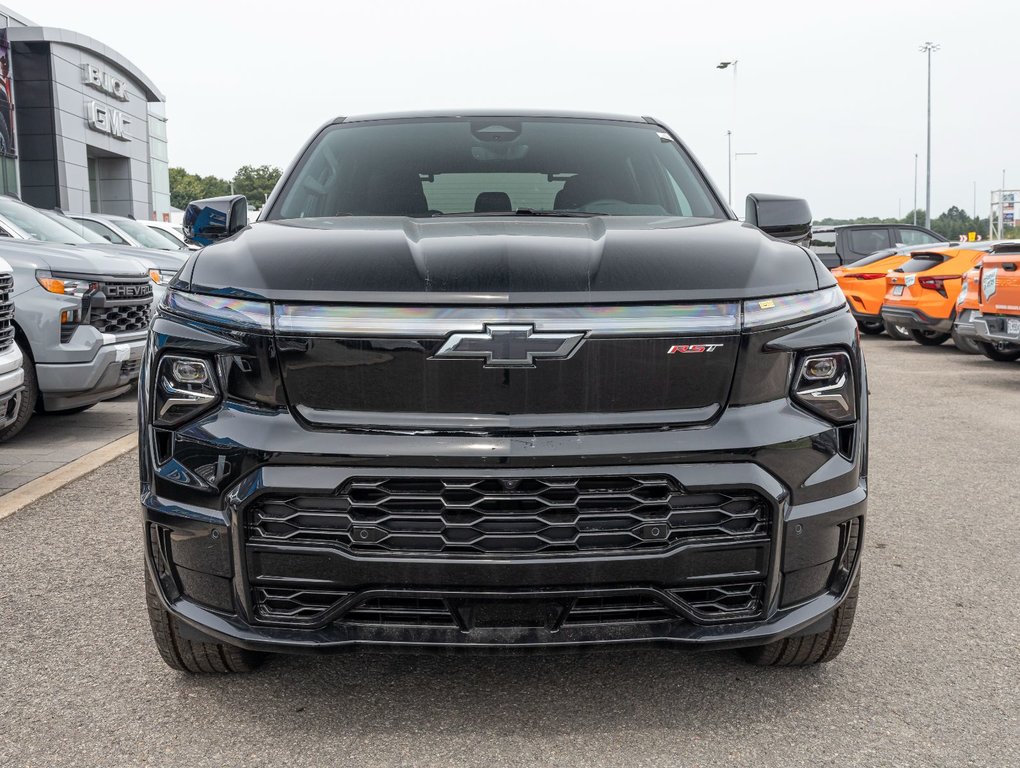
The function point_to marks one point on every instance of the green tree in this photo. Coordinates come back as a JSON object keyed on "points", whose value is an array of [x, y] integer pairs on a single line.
{"points": [[256, 182], [185, 187]]}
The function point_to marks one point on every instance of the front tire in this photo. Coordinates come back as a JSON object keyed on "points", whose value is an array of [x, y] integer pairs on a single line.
{"points": [[929, 338], [29, 396], [806, 650], [190, 655], [1000, 354], [898, 332]]}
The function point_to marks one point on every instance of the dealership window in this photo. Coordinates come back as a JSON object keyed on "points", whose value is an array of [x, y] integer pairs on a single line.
{"points": [[8, 176]]}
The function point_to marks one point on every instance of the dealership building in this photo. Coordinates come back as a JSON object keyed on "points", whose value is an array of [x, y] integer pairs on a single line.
{"points": [[81, 127]]}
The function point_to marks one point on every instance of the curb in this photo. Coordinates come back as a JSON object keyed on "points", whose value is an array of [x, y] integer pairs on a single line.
{"points": [[52, 481]]}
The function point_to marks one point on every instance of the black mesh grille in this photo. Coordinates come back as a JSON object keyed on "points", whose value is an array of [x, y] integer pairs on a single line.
{"points": [[120, 319], [487, 516], [6, 311]]}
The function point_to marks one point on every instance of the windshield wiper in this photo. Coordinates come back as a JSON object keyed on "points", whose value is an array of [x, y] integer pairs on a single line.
{"points": [[522, 212]]}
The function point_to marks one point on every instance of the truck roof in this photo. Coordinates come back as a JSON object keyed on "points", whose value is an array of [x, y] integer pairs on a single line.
{"points": [[478, 113]]}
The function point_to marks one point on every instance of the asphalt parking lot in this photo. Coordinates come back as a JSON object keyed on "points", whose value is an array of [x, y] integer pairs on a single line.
{"points": [[929, 677]]}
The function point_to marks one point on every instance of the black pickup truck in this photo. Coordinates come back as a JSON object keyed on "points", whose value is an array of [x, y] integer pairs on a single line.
{"points": [[501, 380], [844, 244]]}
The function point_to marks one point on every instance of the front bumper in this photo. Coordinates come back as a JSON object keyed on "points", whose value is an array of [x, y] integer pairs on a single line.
{"points": [[915, 319], [109, 373], [214, 573], [996, 329]]}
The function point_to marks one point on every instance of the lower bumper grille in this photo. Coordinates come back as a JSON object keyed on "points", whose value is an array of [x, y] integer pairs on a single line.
{"points": [[491, 516], [465, 611]]}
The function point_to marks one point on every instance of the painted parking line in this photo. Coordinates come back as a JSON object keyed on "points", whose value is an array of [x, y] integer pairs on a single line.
{"points": [[51, 481]]}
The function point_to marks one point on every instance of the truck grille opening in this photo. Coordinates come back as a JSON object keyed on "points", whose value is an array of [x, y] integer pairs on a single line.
{"points": [[120, 319], [493, 516], [6, 311]]}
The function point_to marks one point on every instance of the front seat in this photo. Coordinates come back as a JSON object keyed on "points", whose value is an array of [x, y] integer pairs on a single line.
{"points": [[580, 190], [493, 202], [394, 193]]}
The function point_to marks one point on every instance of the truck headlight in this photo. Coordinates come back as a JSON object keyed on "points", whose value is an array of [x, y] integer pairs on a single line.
{"points": [[824, 384], [759, 313], [161, 277], [66, 285], [184, 388]]}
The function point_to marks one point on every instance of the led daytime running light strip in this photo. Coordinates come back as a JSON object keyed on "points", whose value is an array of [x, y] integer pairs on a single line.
{"points": [[304, 319]]}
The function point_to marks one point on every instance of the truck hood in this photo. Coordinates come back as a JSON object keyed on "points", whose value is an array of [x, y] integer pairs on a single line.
{"points": [[500, 260], [71, 259], [150, 257]]}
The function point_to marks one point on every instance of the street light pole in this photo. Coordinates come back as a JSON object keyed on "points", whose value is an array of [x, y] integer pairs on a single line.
{"points": [[729, 133], [928, 48], [729, 168], [915, 190]]}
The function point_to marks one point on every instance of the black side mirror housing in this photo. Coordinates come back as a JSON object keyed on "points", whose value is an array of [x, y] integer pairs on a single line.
{"points": [[215, 218], [786, 218]]}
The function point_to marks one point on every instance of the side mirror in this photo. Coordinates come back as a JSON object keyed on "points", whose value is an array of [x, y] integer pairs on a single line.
{"points": [[787, 218], [206, 221]]}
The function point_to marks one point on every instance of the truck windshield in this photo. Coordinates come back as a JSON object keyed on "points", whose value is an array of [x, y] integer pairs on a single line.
{"points": [[495, 166], [36, 225]]}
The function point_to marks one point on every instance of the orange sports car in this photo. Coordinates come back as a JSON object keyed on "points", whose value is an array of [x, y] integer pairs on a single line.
{"points": [[921, 293], [863, 284], [997, 325]]}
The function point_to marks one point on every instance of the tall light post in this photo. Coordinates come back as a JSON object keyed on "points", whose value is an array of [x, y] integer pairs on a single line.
{"points": [[729, 133], [914, 222], [928, 48]]}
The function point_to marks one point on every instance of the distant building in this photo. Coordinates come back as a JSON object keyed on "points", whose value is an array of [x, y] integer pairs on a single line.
{"points": [[81, 127]]}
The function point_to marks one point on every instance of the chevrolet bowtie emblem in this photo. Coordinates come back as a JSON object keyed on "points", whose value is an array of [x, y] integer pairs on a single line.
{"points": [[510, 346]]}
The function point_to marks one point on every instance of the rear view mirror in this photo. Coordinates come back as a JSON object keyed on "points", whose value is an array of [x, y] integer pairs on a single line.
{"points": [[215, 218], [787, 218]]}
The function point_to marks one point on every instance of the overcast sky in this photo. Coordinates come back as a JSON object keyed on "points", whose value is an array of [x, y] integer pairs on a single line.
{"points": [[831, 96]]}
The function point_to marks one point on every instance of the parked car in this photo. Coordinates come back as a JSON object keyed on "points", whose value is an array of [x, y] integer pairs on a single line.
{"points": [[80, 322], [171, 233], [120, 230], [863, 284], [161, 265], [12, 374], [997, 326], [844, 244], [968, 306], [501, 380], [921, 293]]}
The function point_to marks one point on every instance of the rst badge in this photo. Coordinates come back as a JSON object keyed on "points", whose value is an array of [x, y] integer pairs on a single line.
{"points": [[692, 349]]}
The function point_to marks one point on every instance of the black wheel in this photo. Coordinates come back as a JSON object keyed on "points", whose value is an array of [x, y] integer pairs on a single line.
{"points": [[810, 649], [189, 655], [1000, 353], [966, 344], [871, 327], [929, 338], [29, 395], [898, 332]]}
